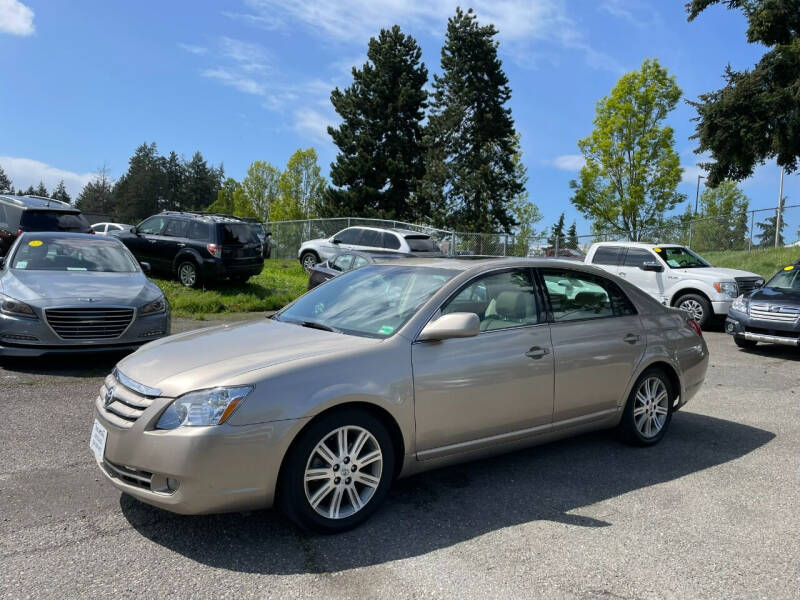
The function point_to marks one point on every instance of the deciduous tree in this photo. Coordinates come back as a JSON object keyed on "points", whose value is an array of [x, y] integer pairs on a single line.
{"points": [[260, 187], [301, 187], [722, 224]]}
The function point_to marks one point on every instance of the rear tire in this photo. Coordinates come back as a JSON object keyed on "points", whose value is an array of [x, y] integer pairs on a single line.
{"points": [[648, 411], [744, 343], [328, 489], [698, 308], [188, 274], [308, 260]]}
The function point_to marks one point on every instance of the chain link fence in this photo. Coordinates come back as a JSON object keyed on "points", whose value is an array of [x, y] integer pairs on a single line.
{"points": [[752, 230]]}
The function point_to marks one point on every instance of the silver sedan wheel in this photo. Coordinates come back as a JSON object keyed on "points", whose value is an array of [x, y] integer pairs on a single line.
{"points": [[343, 472], [694, 308], [650, 407], [187, 273], [309, 260]]}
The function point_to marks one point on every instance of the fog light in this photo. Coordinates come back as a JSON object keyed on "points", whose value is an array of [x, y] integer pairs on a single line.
{"points": [[729, 327], [19, 337], [172, 484]]}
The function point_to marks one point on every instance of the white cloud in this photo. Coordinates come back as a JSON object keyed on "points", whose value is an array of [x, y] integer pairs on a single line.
{"points": [[236, 81], [312, 124], [248, 56], [25, 172], [16, 18], [569, 162], [193, 49], [638, 13], [690, 173]]}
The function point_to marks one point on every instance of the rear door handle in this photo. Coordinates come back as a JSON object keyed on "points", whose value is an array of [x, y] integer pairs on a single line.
{"points": [[181, 244], [151, 241], [631, 338], [537, 352]]}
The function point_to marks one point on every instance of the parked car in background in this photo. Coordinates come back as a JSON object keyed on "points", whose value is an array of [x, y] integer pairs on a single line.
{"points": [[35, 213], [404, 241], [195, 247], [110, 228], [675, 276], [769, 314], [347, 261], [565, 253], [71, 292], [264, 236], [386, 371]]}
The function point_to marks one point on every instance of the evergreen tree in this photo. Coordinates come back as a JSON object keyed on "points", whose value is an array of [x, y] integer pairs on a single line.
{"points": [[471, 181], [723, 224], [60, 193], [380, 158], [201, 183], [6, 186], [96, 196], [139, 192], [175, 192], [31, 191], [766, 239], [572, 236], [41, 190], [557, 233]]}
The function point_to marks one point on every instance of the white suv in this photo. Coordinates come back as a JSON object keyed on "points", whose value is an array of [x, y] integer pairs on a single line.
{"points": [[366, 239], [675, 276]]}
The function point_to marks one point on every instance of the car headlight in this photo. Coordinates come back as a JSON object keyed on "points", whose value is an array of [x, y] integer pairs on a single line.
{"points": [[155, 307], [740, 304], [15, 308], [729, 288], [203, 407]]}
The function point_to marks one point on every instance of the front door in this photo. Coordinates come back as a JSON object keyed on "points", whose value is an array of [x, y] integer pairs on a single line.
{"points": [[474, 392], [597, 340], [143, 244]]}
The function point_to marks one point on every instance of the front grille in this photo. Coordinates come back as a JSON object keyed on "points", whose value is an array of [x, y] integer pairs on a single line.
{"points": [[747, 283], [762, 312], [121, 406], [89, 323], [129, 475]]}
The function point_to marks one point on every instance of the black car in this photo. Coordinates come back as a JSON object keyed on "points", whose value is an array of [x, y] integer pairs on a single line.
{"points": [[768, 314], [347, 261], [264, 236], [35, 213], [196, 247]]}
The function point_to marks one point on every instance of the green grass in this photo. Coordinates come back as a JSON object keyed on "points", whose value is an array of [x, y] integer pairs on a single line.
{"points": [[279, 283], [764, 262]]}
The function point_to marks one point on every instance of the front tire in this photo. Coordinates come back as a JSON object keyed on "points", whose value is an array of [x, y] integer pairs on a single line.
{"points": [[308, 260], [338, 472], [698, 307], [744, 343], [188, 274], [648, 411]]}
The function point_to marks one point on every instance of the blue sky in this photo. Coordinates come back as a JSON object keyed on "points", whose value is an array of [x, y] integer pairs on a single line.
{"points": [[86, 82]]}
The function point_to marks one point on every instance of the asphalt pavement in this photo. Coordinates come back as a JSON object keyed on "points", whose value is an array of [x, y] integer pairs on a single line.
{"points": [[712, 511]]}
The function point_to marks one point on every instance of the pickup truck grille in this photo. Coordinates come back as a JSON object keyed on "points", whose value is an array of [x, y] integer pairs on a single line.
{"points": [[120, 405], [89, 323], [747, 284], [775, 314]]}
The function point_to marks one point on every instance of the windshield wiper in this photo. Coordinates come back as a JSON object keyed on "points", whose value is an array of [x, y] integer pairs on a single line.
{"points": [[315, 325]]}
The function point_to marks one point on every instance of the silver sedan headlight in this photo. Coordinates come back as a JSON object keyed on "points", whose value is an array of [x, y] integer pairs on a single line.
{"points": [[155, 307], [203, 407], [14, 308], [740, 304]]}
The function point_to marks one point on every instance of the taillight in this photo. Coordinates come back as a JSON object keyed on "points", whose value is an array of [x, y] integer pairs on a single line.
{"points": [[20, 231], [696, 326], [214, 250]]}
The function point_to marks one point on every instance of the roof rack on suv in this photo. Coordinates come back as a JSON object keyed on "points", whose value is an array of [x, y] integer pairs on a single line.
{"points": [[47, 199], [200, 214]]}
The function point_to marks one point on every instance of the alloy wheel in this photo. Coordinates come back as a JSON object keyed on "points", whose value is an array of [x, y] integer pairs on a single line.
{"points": [[694, 308], [343, 472], [187, 273], [651, 407], [309, 261]]}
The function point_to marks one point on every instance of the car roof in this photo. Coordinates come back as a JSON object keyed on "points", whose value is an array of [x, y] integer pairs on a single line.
{"points": [[207, 217], [38, 202], [397, 230], [48, 235], [467, 263], [646, 245]]}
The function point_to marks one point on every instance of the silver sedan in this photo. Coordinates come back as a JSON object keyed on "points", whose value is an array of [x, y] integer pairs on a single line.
{"points": [[386, 371], [73, 292]]}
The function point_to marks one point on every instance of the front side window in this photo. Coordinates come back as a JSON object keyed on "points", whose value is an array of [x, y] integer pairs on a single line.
{"points": [[501, 300], [679, 257], [152, 226], [73, 254], [576, 296], [636, 257], [607, 255], [348, 236]]}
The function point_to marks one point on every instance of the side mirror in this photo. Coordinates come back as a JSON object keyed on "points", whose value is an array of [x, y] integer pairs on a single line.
{"points": [[454, 325], [135, 230], [145, 267], [651, 266], [2, 261], [336, 241]]}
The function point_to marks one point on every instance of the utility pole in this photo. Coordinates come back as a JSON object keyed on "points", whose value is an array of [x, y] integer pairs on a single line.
{"points": [[697, 193], [780, 210]]}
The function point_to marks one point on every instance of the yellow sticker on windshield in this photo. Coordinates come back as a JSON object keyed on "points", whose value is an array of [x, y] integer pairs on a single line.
{"points": [[656, 249], [35, 243], [789, 268]]}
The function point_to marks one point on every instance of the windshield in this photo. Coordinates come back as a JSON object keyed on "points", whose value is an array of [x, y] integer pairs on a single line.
{"points": [[787, 279], [374, 301], [679, 257], [76, 254]]}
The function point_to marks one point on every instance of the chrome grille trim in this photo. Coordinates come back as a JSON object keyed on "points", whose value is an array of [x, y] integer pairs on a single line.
{"points": [[135, 385], [141, 479], [89, 323], [125, 406], [762, 312], [747, 283]]}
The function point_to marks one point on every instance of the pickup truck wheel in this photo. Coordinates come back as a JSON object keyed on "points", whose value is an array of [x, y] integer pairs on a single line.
{"points": [[743, 343], [698, 307], [308, 260]]}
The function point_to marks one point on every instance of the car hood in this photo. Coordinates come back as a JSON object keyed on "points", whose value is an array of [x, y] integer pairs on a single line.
{"points": [[213, 356], [45, 288], [715, 273], [775, 296]]}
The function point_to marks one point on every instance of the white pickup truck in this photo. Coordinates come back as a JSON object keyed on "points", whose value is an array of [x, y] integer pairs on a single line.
{"points": [[675, 276]]}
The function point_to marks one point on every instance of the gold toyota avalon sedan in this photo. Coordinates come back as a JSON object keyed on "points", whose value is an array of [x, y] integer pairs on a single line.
{"points": [[386, 371]]}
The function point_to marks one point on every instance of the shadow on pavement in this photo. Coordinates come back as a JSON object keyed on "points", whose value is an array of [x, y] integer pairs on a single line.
{"points": [[442, 508]]}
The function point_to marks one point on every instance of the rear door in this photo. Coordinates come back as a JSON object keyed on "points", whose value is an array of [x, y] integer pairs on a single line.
{"points": [[608, 258], [171, 241], [369, 239], [597, 341], [651, 282]]}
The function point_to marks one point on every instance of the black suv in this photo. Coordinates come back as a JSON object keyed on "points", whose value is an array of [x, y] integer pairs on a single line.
{"points": [[34, 213], [196, 247]]}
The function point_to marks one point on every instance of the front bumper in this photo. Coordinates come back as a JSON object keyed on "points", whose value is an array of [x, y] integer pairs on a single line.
{"points": [[721, 307], [20, 337], [221, 468], [742, 325]]}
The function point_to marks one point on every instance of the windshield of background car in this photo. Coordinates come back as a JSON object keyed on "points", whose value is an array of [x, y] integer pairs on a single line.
{"points": [[38, 220], [679, 257], [374, 301], [63, 254], [237, 233], [787, 279], [421, 244]]}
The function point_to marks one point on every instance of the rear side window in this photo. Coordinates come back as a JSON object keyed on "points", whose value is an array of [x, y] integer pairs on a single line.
{"points": [[198, 231], [421, 243], [390, 241], [237, 233], [370, 238], [37, 220], [176, 228], [607, 255], [636, 257], [349, 236], [576, 296], [342, 262]]}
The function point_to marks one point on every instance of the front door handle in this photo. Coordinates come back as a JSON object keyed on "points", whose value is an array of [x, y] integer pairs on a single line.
{"points": [[537, 352], [151, 241], [631, 338], [181, 244]]}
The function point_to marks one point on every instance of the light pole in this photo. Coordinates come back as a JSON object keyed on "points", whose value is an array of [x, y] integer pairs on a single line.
{"points": [[697, 193], [778, 213]]}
